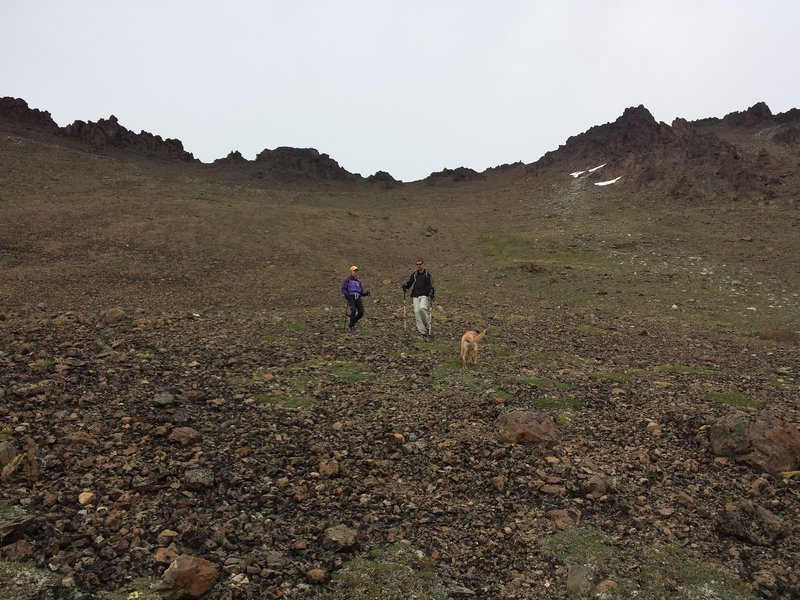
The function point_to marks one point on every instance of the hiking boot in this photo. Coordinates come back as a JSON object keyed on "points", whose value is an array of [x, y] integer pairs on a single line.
{"points": [[352, 330]]}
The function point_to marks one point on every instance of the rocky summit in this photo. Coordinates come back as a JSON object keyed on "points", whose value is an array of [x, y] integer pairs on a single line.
{"points": [[184, 413]]}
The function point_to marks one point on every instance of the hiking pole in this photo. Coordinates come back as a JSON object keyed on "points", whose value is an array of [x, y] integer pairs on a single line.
{"points": [[430, 317], [405, 324]]}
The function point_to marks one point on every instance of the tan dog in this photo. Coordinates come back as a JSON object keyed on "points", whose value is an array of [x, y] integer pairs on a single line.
{"points": [[469, 347]]}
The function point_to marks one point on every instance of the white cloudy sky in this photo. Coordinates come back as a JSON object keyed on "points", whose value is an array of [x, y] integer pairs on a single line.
{"points": [[405, 86]]}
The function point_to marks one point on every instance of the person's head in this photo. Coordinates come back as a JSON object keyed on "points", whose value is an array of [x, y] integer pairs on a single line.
{"points": [[354, 271], [420, 265]]}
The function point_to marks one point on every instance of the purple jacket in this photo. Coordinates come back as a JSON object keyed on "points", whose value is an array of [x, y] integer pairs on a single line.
{"points": [[352, 286]]}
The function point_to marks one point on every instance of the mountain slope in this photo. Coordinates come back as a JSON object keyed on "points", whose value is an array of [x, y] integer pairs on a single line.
{"points": [[176, 376]]}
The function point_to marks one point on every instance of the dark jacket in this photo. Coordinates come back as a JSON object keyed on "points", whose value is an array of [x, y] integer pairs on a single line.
{"points": [[420, 284]]}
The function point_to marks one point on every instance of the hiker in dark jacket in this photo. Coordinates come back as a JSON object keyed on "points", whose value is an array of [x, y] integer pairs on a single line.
{"points": [[353, 291], [421, 285]]}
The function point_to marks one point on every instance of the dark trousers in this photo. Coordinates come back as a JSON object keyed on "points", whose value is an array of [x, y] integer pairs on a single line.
{"points": [[356, 307]]}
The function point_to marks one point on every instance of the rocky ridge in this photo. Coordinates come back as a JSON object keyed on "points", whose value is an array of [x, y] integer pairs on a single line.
{"points": [[696, 161], [701, 163]]}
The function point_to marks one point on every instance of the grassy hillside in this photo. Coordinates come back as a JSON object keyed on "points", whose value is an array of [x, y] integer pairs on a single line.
{"points": [[82, 227]]}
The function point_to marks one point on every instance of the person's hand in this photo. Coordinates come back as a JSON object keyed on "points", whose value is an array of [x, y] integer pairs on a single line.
{"points": [[404, 286]]}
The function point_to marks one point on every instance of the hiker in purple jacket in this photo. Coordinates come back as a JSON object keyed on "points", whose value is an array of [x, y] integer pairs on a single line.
{"points": [[353, 291]]}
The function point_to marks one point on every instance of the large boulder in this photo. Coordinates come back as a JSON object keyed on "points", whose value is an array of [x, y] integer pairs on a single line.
{"points": [[340, 537], [764, 441], [527, 427], [13, 524], [7, 453], [24, 466], [197, 480], [188, 577], [751, 523]]}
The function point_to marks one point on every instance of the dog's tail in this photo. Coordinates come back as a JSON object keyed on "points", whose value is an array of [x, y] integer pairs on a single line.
{"points": [[481, 335]]}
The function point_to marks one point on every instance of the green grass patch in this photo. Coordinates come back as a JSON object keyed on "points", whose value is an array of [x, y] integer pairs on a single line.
{"points": [[546, 403], [610, 376], [398, 572], [589, 330], [501, 395], [503, 354], [438, 316], [557, 357], [519, 249], [672, 572], [450, 373], [434, 346], [287, 400], [542, 382], [311, 363], [341, 369], [5, 431], [564, 417], [683, 369], [424, 348], [732, 399], [22, 580], [6, 510], [138, 589], [349, 371], [578, 546], [783, 385], [588, 266], [298, 327]]}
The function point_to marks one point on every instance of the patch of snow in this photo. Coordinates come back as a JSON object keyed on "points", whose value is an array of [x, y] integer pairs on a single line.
{"points": [[608, 182], [592, 170], [578, 173]]}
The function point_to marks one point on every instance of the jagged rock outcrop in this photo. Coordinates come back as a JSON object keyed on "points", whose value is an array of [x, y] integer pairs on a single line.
{"points": [[691, 160], [765, 442], [504, 168], [234, 158], [457, 174], [636, 131], [303, 163], [382, 177], [16, 111], [108, 132], [697, 161], [758, 114]]}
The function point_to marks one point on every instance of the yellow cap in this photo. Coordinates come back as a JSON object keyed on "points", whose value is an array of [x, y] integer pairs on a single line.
{"points": [[353, 268]]}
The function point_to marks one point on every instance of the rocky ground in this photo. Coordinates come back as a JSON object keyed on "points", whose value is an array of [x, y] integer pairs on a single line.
{"points": [[300, 461]]}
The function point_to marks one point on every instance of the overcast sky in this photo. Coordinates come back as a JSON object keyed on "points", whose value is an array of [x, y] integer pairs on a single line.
{"points": [[407, 86]]}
